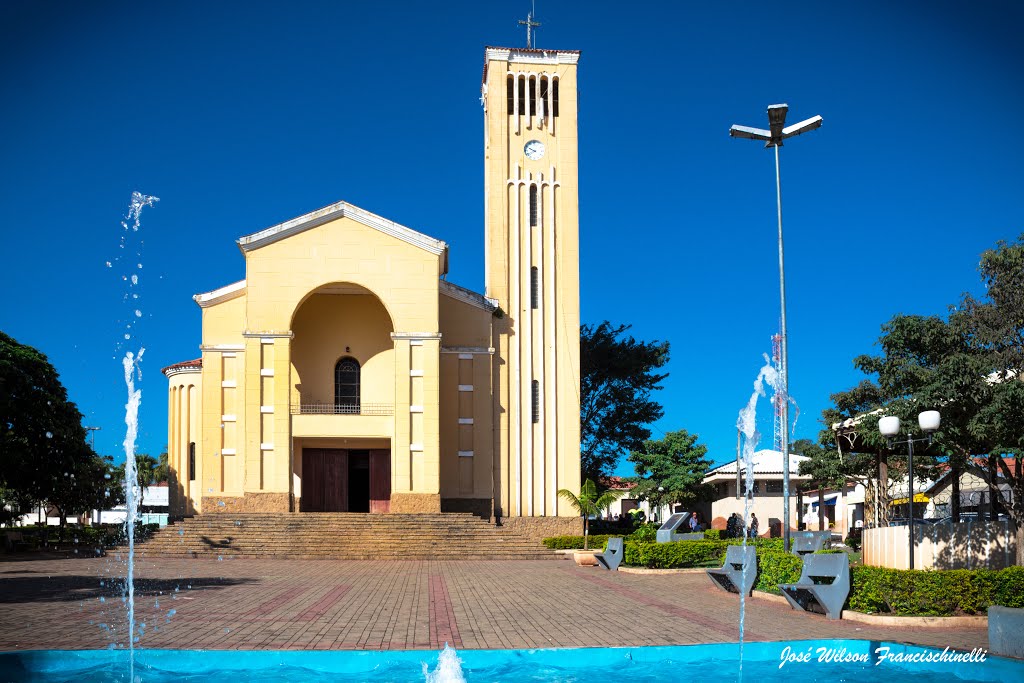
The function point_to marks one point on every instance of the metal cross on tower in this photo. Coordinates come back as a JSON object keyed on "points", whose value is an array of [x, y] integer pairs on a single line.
{"points": [[529, 24]]}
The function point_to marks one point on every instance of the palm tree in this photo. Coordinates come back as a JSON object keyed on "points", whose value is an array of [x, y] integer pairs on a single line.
{"points": [[589, 503]]}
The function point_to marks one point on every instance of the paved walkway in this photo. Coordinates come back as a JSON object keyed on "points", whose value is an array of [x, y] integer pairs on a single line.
{"points": [[380, 605]]}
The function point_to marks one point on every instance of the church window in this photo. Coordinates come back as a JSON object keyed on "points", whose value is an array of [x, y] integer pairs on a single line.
{"points": [[536, 401], [346, 386], [533, 97], [554, 98], [510, 95], [192, 461], [534, 289], [533, 205]]}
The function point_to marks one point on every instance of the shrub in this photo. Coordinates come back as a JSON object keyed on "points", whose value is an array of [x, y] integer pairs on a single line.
{"points": [[712, 534], [596, 542], [762, 544], [645, 533], [673, 555], [1008, 587], [853, 539], [934, 592], [774, 568]]}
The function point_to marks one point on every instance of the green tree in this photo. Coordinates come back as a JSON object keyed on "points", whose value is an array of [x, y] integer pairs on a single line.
{"points": [[44, 457], [969, 367], [162, 472], [671, 470], [589, 503], [617, 376]]}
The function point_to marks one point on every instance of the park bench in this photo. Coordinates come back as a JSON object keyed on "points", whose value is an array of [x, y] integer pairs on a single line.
{"points": [[807, 543], [612, 555], [730, 576], [15, 540], [823, 586]]}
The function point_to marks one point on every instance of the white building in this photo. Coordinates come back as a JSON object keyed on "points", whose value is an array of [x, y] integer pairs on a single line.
{"points": [[767, 492]]}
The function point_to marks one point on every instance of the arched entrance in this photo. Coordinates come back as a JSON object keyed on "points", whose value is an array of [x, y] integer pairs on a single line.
{"points": [[343, 371]]}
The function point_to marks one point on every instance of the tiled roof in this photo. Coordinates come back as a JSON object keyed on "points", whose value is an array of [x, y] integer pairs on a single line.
{"points": [[197, 363], [618, 484], [765, 462]]}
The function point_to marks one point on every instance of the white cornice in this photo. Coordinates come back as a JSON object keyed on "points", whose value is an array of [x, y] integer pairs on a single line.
{"points": [[249, 334], [344, 210], [467, 296], [473, 350], [225, 293], [415, 335], [192, 370], [532, 56], [221, 348]]}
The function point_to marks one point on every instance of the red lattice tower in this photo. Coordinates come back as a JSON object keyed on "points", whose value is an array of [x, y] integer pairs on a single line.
{"points": [[779, 399]]}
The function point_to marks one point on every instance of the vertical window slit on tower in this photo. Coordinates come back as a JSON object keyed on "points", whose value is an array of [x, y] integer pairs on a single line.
{"points": [[536, 401], [554, 98], [534, 289], [533, 205], [510, 95], [533, 97], [192, 461], [521, 93]]}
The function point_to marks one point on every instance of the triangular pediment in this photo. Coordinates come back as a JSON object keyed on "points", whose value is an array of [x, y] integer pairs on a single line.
{"points": [[338, 210]]}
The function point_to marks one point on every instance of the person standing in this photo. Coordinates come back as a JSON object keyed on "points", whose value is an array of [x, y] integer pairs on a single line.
{"points": [[753, 525]]}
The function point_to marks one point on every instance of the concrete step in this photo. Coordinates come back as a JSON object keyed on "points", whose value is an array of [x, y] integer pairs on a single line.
{"points": [[341, 535]]}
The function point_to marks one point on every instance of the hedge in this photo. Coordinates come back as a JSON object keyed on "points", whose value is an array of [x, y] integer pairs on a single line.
{"points": [[875, 590], [595, 542], [677, 554], [935, 593], [686, 553]]}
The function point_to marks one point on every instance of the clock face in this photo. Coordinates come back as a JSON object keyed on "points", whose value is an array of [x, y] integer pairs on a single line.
{"points": [[534, 150]]}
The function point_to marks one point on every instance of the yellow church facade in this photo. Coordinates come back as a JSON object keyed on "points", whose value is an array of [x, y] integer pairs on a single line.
{"points": [[344, 373]]}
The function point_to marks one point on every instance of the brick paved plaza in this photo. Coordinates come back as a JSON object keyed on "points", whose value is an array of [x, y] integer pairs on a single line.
{"points": [[326, 604]]}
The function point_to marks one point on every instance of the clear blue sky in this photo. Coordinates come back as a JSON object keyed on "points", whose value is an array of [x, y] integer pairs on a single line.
{"points": [[240, 115]]}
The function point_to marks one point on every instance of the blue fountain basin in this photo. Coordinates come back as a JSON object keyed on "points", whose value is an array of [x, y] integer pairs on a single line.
{"points": [[862, 661]]}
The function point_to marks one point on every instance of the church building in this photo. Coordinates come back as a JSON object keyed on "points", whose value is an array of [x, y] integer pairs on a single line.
{"points": [[344, 373]]}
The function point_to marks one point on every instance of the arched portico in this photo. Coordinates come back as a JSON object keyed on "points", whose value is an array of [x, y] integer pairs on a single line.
{"points": [[343, 400]]}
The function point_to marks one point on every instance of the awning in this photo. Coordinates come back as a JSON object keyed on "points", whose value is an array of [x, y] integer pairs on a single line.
{"points": [[918, 498], [828, 502]]}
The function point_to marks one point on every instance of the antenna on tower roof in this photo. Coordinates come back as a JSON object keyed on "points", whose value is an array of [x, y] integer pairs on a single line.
{"points": [[530, 24]]}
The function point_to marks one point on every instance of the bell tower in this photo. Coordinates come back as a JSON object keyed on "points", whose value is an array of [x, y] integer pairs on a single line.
{"points": [[532, 271]]}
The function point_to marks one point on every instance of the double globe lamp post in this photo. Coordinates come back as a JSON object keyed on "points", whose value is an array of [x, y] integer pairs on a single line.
{"points": [[889, 426]]}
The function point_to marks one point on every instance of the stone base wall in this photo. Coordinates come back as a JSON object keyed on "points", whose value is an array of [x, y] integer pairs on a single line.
{"points": [[415, 502], [481, 507], [539, 528], [250, 502]]}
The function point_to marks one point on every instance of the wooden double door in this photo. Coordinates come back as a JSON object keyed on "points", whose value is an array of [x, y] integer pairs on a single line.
{"points": [[346, 480]]}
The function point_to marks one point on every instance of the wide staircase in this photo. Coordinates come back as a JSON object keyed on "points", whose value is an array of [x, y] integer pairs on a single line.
{"points": [[342, 536]]}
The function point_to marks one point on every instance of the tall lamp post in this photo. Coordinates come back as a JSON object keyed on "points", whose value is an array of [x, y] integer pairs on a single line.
{"points": [[773, 137], [889, 426]]}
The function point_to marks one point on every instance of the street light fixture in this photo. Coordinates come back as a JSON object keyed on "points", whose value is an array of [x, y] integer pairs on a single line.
{"points": [[773, 137], [889, 426]]}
